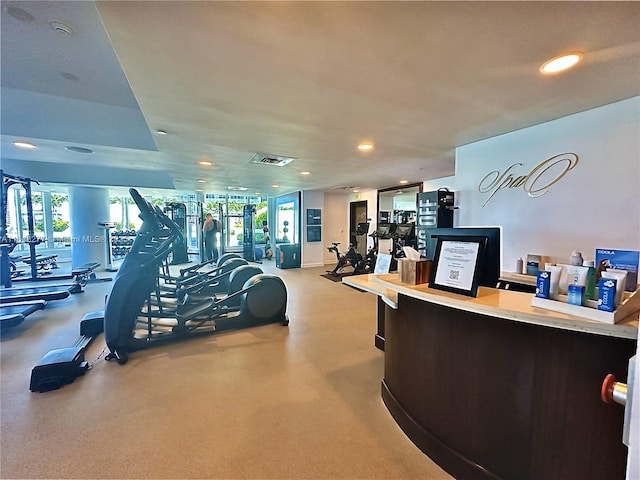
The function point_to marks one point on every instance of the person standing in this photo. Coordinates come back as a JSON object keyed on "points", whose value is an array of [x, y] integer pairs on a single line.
{"points": [[210, 231]]}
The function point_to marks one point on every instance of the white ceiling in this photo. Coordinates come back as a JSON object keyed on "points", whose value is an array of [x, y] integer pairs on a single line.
{"points": [[308, 80]]}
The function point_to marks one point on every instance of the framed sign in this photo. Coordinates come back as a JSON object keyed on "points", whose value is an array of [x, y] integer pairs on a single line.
{"points": [[456, 262], [314, 216], [383, 263], [314, 225], [314, 233]]}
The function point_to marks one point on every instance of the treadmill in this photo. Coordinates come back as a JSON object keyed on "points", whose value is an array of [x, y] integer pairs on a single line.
{"points": [[22, 295], [12, 314]]}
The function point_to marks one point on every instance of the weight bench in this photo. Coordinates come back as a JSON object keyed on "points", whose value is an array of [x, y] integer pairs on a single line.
{"points": [[42, 262], [85, 273]]}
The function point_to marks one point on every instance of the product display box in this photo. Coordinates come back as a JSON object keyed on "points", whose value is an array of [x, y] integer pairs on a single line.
{"points": [[543, 284], [620, 260], [606, 294], [601, 310]]}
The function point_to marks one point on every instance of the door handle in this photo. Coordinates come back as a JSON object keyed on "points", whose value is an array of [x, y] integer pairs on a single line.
{"points": [[613, 391]]}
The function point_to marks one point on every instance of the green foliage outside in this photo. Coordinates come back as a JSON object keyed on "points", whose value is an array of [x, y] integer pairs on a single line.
{"points": [[60, 225], [58, 200], [132, 226], [259, 238], [114, 200], [260, 217]]}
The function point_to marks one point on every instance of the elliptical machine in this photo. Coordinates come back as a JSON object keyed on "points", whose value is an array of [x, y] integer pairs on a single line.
{"points": [[132, 323]]}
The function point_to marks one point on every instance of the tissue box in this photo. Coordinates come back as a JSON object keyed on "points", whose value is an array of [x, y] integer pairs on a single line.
{"points": [[414, 272]]}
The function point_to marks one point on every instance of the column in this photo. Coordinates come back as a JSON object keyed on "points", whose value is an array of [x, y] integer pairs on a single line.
{"points": [[48, 219]]}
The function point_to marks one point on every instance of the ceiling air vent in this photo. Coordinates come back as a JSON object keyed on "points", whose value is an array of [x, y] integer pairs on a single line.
{"points": [[275, 160]]}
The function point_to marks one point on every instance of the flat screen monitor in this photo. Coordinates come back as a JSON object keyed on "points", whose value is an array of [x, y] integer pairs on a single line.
{"points": [[362, 229], [489, 269], [385, 230], [404, 230]]}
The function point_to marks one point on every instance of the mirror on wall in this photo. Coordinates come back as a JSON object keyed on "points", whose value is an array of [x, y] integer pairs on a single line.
{"points": [[398, 204]]}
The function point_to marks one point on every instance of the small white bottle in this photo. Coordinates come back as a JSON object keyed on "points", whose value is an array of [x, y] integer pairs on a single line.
{"points": [[519, 265], [576, 258]]}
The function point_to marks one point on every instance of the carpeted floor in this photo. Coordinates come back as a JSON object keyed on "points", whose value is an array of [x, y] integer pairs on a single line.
{"points": [[272, 402]]}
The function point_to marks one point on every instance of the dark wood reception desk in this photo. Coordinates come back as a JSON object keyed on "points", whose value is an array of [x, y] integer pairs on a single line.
{"points": [[493, 388]]}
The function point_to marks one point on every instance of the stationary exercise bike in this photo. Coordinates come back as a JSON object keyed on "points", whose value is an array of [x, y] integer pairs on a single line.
{"points": [[352, 257]]}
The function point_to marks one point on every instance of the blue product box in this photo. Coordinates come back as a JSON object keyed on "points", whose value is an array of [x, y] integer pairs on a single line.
{"points": [[628, 260], [533, 264], [575, 294], [606, 294], [543, 284]]}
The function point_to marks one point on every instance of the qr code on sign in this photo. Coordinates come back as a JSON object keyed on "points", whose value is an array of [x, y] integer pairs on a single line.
{"points": [[454, 274]]}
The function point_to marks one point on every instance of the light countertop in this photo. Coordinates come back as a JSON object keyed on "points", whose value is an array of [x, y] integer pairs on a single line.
{"points": [[492, 302]]}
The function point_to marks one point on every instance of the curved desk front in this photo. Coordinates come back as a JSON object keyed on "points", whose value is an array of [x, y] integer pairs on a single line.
{"points": [[493, 388]]}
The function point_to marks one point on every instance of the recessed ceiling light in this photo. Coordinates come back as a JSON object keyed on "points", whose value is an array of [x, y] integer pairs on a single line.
{"points": [[365, 147], [356, 191], [305, 173], [205, 162], [275, 185], [202, 180], [161, 132], [402, 182], [70, 76], [24, 145], [19, 14], [236, 188], [79, 149], [61, 28], [560, 63]]}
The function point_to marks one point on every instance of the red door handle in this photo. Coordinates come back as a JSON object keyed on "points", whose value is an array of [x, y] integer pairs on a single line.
{"points": [[613, 391]]}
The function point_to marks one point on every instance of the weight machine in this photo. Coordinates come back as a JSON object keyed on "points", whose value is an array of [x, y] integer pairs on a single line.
{"points": [[177, 211], [8, 268], [248, 237]]}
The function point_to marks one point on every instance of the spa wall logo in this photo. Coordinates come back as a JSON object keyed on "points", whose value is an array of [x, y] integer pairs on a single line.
{"points": [[535, 183]]}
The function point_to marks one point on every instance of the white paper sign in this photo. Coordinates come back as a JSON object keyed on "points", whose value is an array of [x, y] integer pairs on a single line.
{"points": [[456, 264], [383, 263]]}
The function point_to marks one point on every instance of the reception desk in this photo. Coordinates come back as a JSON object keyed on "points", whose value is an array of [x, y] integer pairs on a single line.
{"points": [[493, 388]]}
